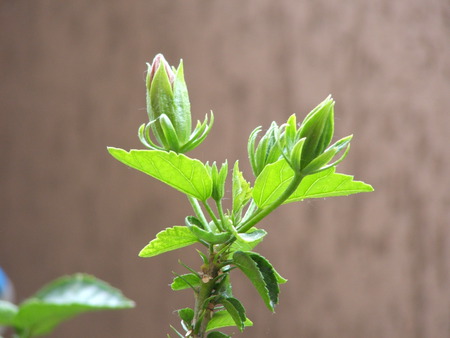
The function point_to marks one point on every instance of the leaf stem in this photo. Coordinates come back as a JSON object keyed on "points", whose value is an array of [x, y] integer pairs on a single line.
{"points": [[259, 215], [198, 210], [212, 215]]}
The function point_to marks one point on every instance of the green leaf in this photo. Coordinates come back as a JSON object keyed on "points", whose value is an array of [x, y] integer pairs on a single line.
{"points": [[261, 274], [7, 312], [217, 334], [169, 239], [275, 178], [65, 298], [186, 314], [236, 311], [249, 240], [182, 282], [190, 176], [223, 319]]}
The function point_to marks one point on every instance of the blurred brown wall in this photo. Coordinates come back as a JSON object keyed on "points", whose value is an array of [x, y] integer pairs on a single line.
{"points": [[372, 265]]}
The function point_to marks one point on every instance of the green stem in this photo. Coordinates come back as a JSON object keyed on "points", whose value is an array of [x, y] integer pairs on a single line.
{"points": [[220, 210], [258, 216], [212, 215], [198, 210]]}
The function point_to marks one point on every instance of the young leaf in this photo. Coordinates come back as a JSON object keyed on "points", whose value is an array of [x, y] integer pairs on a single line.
{"points": [[65, 298], [261, 274], [169, 239], [7, 312], [190, 176], [182, 282], [223, 319], [249, 240], [275, 178], [186, 314]]}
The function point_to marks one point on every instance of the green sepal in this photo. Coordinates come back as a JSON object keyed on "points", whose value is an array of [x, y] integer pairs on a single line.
{"points": [[261, 273], [185, 281], [159, 100], [170, 134], [321, 161], [169, 239], [190, 176], [242, 193], [318, 129], [182, 107]]}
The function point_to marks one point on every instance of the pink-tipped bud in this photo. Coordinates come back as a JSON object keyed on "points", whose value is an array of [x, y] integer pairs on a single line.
{"points": [[159, 58]]}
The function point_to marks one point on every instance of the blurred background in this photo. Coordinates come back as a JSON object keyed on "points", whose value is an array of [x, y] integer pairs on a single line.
{"points": [[72, 83]]}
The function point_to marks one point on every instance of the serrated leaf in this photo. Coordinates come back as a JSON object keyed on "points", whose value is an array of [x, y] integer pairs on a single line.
{"points": [[7, 312], [223, 319], [236, 311], [169, 239], [65, 298], [268, 273], [261, 276], [275, 178], [182, 282], [190, 176]]}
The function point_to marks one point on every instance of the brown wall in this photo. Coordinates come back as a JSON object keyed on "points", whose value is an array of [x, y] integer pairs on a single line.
{"points": [[373, 265]]}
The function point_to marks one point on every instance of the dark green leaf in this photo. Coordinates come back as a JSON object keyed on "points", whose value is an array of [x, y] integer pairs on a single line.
{"points": [[217, 334], [236, 311], [169, 239], [263, 280], [65, 298], [185, 174], [268, 273]]}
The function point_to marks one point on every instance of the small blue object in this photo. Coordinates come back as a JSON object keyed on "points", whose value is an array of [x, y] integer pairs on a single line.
{"points": [[6, 289]]}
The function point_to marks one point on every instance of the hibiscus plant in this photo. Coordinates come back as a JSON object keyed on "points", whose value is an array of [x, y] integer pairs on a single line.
{"points": [[290, 162]]}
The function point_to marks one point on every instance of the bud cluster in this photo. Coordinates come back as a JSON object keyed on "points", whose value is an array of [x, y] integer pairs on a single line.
{"points": [[307, 148]]}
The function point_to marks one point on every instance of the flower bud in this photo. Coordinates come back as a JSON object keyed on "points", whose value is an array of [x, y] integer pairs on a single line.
{"points": [[169, 111], [307, 149], [267, 151]]}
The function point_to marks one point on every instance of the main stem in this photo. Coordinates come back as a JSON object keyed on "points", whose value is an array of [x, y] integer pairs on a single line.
{"points": [[202, 311], [280, 200]]}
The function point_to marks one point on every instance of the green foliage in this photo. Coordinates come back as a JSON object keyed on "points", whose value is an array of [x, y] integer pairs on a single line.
{"points": [[223, 319], [262, 275], [62, 299], [177, 170], [291, 162], [169, 239], [275, 178]]}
